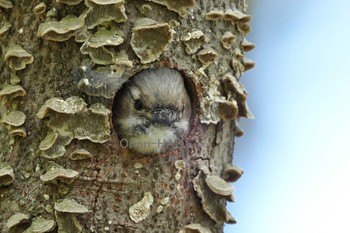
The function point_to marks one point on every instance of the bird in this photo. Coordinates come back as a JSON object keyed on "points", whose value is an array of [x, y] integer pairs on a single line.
{"points": [[152, 111]]}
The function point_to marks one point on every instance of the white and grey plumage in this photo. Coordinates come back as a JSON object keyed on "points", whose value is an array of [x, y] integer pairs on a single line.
{"points": [[152, 111]]}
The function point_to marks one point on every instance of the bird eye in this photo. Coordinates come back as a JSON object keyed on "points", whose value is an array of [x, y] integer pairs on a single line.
{"points": [[138, 105]]}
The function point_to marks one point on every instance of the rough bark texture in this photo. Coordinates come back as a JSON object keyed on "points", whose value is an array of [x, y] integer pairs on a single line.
{"points": [[174, 187]]}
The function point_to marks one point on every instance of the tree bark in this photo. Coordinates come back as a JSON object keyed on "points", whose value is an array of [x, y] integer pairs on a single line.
{"points": [[62, 168]]}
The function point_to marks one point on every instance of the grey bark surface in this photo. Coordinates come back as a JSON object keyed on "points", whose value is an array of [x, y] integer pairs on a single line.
{"points": [[113, 180]]}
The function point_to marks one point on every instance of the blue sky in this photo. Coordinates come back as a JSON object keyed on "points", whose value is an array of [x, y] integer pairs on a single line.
{"points": [[296, 153]]}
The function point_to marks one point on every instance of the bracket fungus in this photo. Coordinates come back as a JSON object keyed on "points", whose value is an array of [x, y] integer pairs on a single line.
{"points": [[236, 15], [104, 10], [21, 132], [7, 4], [70, 206], [15, 220], [41, 225], [17, 58], [71, 118], [248, 64], [57, 174], [194, 41], [213, 197], [4, 27], [69, 2], [194, 228], [6, 176], [214, 15], [247, 46], [179, 6], [80, 154], [40, 8], [12, 91], [232, 173], [140, 210], [61, 30], [227, 40], [95, 46], [207, 56], [149, 39], [14, 118]]}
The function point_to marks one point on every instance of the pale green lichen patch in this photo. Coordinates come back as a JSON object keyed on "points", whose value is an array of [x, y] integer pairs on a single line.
{"points": [[194, 228], [14, 118], [17, 58], [17, 219], [70, 206], [140, 211], [6, 176], [80, 154], [61, 30], [150, 40], [102, 11], [194, 41], [73, 119], [7, 4], [12, 91], [69, 2], [41, 225], [58, 174], [180, 6]]}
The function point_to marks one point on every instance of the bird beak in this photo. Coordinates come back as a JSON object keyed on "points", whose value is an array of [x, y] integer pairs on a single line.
{"points": [[164, 117]]}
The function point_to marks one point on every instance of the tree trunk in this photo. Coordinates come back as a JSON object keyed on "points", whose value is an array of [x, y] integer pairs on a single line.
{"points": [[62, 168]]}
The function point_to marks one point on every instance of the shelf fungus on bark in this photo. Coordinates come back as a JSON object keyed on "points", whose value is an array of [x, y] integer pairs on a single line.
{"points": [[41, 225], [65, 212], [236, 15], [21, 132], [58, 174], [104, 10], [40, 8], [71, 118], [61, 30], [12, 91], [17, 58], [180, 6], [194, 41], [96, 46], [149, 39], [80, 154], [69, 2], [14, 118], [247, 46], [214, 15], [6, 176], [227, 40], [194, 228], [232, 173], [207, 56], [140, 210], [248, 64], [16, 220], [7, 4], [214, 192], [4, 27]]}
